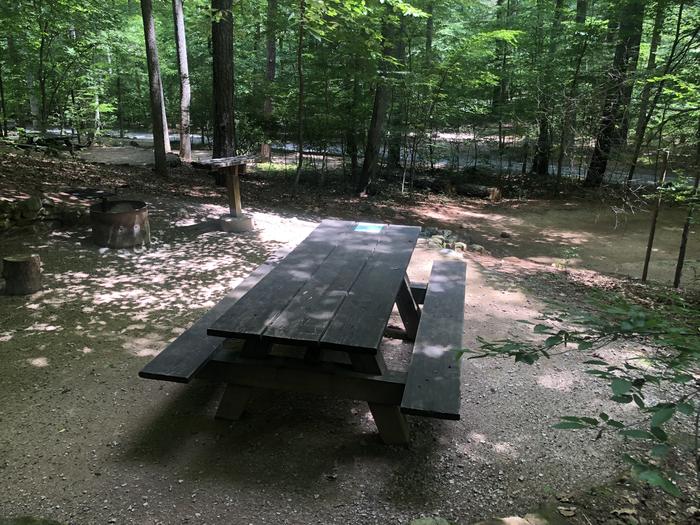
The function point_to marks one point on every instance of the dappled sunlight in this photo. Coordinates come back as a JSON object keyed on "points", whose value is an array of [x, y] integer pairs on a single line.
{"points": [[38, 362], [562, 381]]}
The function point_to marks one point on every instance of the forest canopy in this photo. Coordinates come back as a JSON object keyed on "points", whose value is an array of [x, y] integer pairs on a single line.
{"points": [[562, 87]]}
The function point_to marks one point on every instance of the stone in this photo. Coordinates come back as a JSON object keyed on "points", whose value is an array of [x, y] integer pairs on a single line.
{"points": [[450, 253], [173, 160], [477, 248], [460, 246], [241, 224], [505, 235]]}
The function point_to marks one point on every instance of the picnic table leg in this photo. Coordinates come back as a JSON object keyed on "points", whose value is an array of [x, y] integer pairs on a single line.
{"points": [[233, 402], [233, 185], [368, 363], [391, 423], [408, 309]]}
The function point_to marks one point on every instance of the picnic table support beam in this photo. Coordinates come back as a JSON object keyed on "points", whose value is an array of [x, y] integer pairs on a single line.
{"points": [[233, 402], [408, 309], [233, 186], [391, 423], [368, 363]]}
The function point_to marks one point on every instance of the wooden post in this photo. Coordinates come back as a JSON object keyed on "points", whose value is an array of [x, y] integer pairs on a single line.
{"points": [[654, 217], [22, 274], [234, 191]]}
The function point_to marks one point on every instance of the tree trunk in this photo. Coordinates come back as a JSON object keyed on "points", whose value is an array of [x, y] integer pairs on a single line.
{"points": [[654, 217], [33, 102], [429, 26], [689, 218], [120, 107], [164, 118], [382, 96], [352, 132], [22, 274], [647, 107], [396, 119], [300, 106], [2, 106], [570, 101], [626, 51], [155, 87], [184, 71], [270, 70], [543, 147], [222, 79]]}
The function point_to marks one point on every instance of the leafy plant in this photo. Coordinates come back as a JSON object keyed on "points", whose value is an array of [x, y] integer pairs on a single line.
{"points": [[669, 368]]}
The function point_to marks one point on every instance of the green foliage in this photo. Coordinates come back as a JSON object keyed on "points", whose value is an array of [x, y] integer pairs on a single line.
{"points": [[668, 369]]}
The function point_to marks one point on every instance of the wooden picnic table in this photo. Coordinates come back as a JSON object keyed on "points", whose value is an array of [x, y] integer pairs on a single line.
{"points": [[313, 320]]}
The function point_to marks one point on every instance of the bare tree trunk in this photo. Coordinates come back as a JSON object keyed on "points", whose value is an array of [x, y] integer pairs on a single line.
{"points": [[184, 70], [396, 118], [627, 48], [654, 217], [689, 218], [647, 108], [382, 95], [120, 107], [2, 105], [429, 26], [543, 146], [155, 88], [300, 107], [570, 102], [164, 118], [271, 39], [352, 132], [222, 79]]}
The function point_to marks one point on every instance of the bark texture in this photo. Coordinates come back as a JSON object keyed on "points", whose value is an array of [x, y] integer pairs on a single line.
{"points": [[222, 79], [631, 16], [184, 72], [155, 88]]}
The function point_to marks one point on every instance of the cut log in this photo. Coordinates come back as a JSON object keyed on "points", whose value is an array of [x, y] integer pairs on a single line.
{"points": [[22, 274]]}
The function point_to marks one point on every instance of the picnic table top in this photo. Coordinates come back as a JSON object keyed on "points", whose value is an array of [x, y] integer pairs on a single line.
{"points": [[336, 289], [224, 162]]}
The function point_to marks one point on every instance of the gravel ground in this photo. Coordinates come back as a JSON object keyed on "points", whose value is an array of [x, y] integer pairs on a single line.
{"points": [[84, 440]]}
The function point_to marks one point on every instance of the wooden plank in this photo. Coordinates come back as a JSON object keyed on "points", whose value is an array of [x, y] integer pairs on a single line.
{"points": [[180, 360], [418, 292], [360, 321], [251, 315], [310, 311], [433, 381], [408, 309], [224, 162], [282, 373]]}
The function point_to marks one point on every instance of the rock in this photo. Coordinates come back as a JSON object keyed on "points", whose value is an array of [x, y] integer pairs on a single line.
{"points": [[460, 246], [477, 248], [450, 253], [173, 160], [505, 235]]}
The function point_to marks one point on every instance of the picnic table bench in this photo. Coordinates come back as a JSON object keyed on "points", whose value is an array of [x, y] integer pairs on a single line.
{"points": [[313, 319]]}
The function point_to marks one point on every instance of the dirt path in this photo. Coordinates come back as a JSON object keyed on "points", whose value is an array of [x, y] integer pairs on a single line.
{"points": [[84, 440]]}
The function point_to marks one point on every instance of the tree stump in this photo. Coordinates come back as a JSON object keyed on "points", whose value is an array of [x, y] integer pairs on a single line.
{"points": [[22, 274]]}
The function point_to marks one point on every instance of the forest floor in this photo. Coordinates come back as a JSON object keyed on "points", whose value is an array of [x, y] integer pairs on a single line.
{"points": [[84, 440]]}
